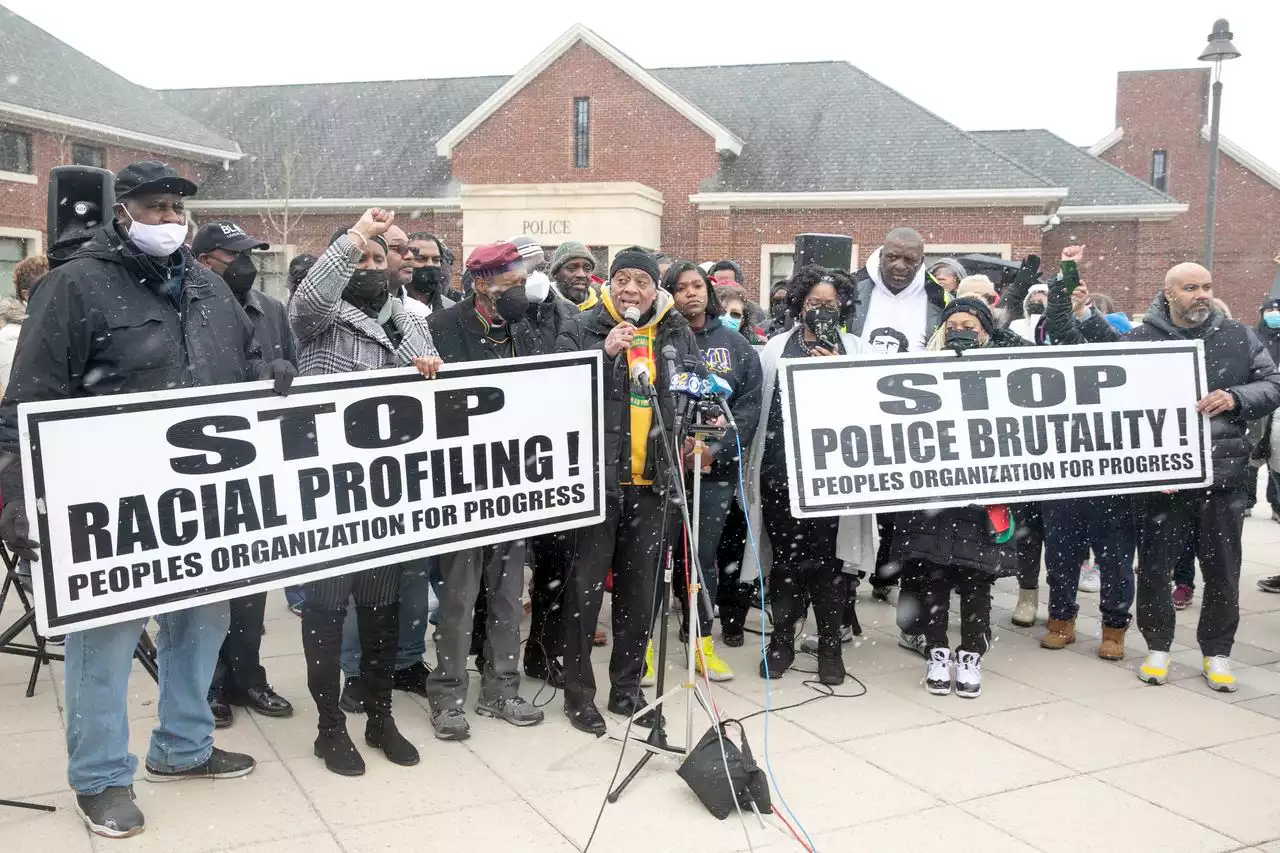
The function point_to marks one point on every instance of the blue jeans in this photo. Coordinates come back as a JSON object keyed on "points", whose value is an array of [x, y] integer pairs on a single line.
{"points": [[415, 584], [98, 661], [1071, 528], [294, 596]]}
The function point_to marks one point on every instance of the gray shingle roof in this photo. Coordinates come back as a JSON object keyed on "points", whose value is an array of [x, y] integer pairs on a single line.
{"points": [[827, 126], [39, 72], [351, 140], [1092, 181]]}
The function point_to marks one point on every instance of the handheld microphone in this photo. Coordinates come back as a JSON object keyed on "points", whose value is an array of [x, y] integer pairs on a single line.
{"points": [[631, 315], [721, 391]]}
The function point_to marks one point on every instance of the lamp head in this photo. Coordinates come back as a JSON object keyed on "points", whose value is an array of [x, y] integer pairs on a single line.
{"points": [[1220, 46]]}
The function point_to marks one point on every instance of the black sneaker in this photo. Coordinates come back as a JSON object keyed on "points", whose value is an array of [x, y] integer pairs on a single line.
{"points": [[220, 765], [733, 639], [353, 696], [222, 717], [587, 719], [1271, 584], [627, 706], [112, 813], [413, 678]]}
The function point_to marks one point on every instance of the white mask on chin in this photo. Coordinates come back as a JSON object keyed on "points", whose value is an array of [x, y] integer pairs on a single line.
{"points": [[158, 241], [537, 286]]}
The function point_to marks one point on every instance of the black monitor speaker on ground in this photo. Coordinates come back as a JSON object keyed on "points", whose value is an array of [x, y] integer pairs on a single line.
{"points": [[80, 200], [833, 251]]}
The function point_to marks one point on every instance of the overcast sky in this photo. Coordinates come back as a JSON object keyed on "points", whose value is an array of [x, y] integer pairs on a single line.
{"points": [[984, 65]]}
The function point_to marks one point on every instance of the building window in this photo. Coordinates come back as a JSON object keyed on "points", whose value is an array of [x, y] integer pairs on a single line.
{"points": [[12, 250], [581, 132], [88, 155], [1159, 170], [782, 266], [273, 271], [15, 152]]}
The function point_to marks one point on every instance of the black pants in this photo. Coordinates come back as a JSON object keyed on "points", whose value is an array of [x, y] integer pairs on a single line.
{"points": [[887, 569], [1216, 519], [370, 588], [239, 668], [734, 596], [627, 541], [925, 601], [1030, 537], [552, 558], [804, 565]]}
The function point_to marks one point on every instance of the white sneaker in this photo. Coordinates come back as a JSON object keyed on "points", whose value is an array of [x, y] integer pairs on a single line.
{"points": [[1155, 669], [1090, 580], [1024, 614], [937, 678], [1217, 672], [810, 642], [968, 675]]}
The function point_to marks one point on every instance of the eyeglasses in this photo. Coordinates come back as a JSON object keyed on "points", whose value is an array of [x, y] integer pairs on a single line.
{"points": [[402, 251], [418, 253], [812, 304]]}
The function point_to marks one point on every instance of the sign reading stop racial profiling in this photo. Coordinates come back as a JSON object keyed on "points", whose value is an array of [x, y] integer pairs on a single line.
{"points": [[153, 502], [875, 433]]}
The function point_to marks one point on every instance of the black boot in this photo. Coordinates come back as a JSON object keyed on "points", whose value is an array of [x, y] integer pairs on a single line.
{"points": [[830, 661], [379, 630], [322, 645], [787, 609]]}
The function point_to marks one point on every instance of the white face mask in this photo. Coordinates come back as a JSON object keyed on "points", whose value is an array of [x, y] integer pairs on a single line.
{"points": [[537, 286], [158, 241]]}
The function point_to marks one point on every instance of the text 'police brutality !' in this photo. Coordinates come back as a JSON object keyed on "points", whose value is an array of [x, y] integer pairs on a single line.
{"points": [[206, 494], [874, 433]]}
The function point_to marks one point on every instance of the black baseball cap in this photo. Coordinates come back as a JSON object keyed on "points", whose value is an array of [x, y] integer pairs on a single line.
{"points": [[151, 176], [224, 235]]}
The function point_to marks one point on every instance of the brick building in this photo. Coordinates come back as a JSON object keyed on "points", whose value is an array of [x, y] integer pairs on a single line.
{"points": [[583, 143]]}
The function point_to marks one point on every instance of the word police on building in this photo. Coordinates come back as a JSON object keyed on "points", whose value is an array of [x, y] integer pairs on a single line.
{"points": [[993, 426], [205, 494]]}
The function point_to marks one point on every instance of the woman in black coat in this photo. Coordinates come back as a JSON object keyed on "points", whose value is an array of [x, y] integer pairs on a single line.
{"points": [[957, 547]]}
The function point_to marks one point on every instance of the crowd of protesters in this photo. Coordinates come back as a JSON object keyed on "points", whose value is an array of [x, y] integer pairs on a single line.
{"points": [[142, 305]]}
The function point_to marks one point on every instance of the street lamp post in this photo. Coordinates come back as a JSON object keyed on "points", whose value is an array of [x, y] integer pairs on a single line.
{"points": [[1218, 49]]}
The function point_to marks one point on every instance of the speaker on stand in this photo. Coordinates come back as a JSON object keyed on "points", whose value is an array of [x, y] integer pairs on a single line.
{"points": [[833, 251], [80, 200]]}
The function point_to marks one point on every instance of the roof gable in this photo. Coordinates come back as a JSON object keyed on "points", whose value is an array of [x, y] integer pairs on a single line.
{"points": [[725, 139], [47, 83]]}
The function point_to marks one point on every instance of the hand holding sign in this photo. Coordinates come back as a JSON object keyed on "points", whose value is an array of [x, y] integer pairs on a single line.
{"points": [[1216, 403], [429, 366]]}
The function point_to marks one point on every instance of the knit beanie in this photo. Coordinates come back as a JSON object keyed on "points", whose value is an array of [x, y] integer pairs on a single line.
{"points": [[951, 264], [570, 250], [636, 258], [978, 308]]}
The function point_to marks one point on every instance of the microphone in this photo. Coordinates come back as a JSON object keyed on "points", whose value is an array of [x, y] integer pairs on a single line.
{"points": [[721, 391], [640, 376], [631, 315]]}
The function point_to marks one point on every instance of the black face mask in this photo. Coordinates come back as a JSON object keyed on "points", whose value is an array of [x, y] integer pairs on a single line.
{"points": [[1035, 308], [962, 339], [240, 275], [513, 304], [366, 287], [778, 308], [825, 325], [426, 280]]}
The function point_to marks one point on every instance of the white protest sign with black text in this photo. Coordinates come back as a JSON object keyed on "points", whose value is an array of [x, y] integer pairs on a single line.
{"points": [[868, 433], [157, 501]]}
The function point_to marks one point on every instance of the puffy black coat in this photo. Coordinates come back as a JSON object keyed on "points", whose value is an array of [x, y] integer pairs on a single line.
{"points": [[458, 335], [1235, 361], [589, 332], [550, 317], [101, 324], [728, 355]]}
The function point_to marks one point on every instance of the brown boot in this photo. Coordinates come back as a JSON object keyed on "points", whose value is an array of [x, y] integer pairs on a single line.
{"points": [[1112, 647], [1061, 633]]}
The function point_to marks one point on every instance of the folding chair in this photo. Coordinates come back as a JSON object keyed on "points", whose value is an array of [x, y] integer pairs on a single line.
{"points": [[19, 584]]}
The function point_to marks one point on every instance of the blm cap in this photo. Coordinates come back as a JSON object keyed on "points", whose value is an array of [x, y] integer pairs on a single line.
{"points": [[224, 235], [151, 176]]}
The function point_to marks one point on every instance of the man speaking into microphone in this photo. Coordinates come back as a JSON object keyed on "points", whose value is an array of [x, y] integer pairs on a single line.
{"points": [[632, 325]]}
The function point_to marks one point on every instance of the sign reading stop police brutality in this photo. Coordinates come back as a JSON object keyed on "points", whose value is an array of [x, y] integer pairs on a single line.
{"points": [[872, 433], [154, 502]]}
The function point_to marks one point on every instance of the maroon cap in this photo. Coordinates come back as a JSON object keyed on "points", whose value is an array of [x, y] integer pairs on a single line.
{"points": [[494, 259]]}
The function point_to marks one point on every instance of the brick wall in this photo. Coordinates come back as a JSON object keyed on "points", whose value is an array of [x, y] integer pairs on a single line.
{"points": [[1165, 110], [634, 137], [1125, 260], [25, 205], [739, 236]]}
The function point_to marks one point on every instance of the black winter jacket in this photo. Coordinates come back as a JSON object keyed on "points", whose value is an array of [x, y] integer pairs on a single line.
{"points": [[550, 317], [1067, 329], [1235, 361], [458, 334], [728, 355], [956, 536], [589, 332], [101, 324]]}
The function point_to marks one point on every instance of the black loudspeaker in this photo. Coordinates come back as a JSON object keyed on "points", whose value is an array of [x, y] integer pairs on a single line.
{"points": [[80, 200], [833, 251]]}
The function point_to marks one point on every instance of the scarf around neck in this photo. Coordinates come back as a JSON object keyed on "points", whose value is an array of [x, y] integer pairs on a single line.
{"points": [[640, 352]]}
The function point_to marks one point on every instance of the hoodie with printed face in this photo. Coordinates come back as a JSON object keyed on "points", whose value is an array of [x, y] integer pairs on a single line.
{"points": [[892, 322]]}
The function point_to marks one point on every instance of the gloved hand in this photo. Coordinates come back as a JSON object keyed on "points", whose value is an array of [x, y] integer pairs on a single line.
{"points": [[15, 530], [282, 372], [1029, 271]]}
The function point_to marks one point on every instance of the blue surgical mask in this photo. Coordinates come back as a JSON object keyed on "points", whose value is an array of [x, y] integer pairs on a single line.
{"points": [[730, 322], [1272, 319]]}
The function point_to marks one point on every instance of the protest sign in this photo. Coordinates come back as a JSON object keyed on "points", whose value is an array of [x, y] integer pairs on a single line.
{"points": [[872, 433], [154, 502]]}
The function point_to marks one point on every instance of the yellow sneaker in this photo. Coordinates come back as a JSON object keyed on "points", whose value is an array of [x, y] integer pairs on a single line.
{"points": [[1217, 671], [649, 678], [1155, 669], [709, 664]]}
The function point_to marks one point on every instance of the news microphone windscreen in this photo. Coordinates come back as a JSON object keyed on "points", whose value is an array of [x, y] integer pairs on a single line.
{"points": [[719, 387], [632, 315]]}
